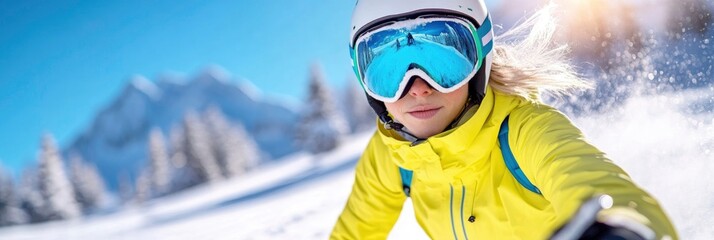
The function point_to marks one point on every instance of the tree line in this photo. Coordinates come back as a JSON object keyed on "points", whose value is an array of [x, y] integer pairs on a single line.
{"points": [[205, 147]]}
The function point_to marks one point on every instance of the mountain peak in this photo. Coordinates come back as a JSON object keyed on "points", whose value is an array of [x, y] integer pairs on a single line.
{"points": [[141, 84], [213, 74], [117, 138]]}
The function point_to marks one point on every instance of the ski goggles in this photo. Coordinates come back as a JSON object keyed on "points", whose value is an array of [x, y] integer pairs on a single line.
{"points": [[445, 51]]}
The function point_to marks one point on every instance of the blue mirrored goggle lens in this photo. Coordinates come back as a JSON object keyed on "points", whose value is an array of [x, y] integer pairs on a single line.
{"points": [[445, 50]]}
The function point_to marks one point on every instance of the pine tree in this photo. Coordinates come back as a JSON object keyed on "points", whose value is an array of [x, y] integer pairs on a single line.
{"points": [[10, 211], [31, 201], [143, 187], [160, 175], [197, 149], [54, 185], [232, 146], [179, 176], [358, 112], [175, 148], [126, 189], [320, 127], [88, 184], [223, 142], [248, 149]]}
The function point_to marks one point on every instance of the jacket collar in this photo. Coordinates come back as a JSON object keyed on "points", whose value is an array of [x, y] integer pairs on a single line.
{"points": [[446, 151]]}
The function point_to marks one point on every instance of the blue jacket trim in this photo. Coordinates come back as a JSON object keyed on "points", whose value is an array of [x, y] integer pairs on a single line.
{"points": [[510, 160], [451, 210], [406, 180], [463, 195]]}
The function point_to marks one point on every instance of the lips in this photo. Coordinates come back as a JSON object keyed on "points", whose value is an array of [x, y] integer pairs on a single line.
{"points": [[424, 112]]}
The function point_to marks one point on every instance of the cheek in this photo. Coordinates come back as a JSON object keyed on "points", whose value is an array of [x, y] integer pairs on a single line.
{"points": [[393, 108], [459, 96], [397, 110]]}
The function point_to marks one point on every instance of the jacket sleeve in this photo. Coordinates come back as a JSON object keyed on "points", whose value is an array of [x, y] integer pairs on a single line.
{"points": [[568, 170], [376, 199]]}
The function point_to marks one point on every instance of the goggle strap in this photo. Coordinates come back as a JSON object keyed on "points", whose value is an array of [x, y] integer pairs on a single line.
{"points": [[487, 48], [484, 30]]}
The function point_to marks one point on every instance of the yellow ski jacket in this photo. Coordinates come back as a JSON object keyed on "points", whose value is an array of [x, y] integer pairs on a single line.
{"points": [[461, 173]]}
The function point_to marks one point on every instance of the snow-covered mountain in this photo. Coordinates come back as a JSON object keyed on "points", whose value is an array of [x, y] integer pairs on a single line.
{"points": [[117, 139]]}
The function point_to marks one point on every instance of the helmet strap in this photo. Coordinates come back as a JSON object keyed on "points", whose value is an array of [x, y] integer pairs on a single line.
{"points": [[389, 123]]}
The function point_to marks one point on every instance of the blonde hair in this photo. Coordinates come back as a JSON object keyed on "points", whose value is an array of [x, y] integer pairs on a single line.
{"points": [[527, 63]]}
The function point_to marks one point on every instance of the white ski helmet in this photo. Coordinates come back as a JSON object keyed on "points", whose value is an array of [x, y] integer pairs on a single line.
{"points": [[371, 13]]}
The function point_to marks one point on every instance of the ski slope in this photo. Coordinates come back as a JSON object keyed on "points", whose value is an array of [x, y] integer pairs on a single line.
{"points": [[664, 142]]}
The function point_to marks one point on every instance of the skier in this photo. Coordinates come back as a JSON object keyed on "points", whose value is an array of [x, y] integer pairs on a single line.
{"points": [[481, 156]]}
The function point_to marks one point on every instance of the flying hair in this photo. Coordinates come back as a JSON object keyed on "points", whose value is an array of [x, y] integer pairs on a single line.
{"points": [[527, 63]]}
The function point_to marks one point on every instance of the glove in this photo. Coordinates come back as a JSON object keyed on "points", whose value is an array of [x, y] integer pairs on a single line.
{"points": [[583, 225], [603, 231]]}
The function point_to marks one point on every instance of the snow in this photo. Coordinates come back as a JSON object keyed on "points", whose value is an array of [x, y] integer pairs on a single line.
{"points": [[215, 72], [663, 141], [214, 211], [250, 90], [145, 86]]}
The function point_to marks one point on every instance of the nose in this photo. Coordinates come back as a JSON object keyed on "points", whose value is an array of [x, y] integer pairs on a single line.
{"points": [[420, 88]]}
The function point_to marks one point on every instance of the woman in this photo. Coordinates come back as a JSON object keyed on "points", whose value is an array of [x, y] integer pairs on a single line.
{"points": [[465, 135]]}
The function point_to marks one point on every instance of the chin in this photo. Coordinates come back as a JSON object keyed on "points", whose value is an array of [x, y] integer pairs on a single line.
{"points": [[426, 133], [435, 126]]}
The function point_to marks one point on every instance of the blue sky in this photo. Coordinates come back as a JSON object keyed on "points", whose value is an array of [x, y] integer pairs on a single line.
{"points": [[62, 61]]}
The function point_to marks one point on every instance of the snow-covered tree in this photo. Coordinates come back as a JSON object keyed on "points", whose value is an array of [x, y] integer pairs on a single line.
{"points": [[10, 211], [177, 156], [126, 189], [200, 160], [31, 201], [321, 125], [181, 173], [232, 146], [54, 185], [246, 147], [357, 111], [143, 187], [89, 187], [223, 142], [160, 168]]}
